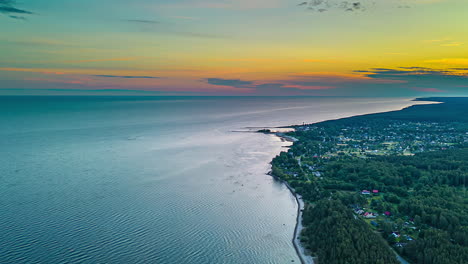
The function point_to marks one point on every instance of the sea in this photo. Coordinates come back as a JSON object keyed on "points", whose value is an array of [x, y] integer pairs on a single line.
{"points": [[152, 179]]}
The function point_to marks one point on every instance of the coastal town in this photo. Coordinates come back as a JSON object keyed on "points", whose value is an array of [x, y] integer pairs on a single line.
{"points": [[395, 138], [391, 174]]}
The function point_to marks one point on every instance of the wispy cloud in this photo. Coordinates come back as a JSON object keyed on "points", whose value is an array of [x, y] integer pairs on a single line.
{"points": [[400, 81], [436, 40], [360, 5], [449, 61], [76, 72], [229, 4], [327, 78], [445, 42], [325, 5], [422, 79], [414, 72], [452, 44], [229, 82], [30, 41], [269, 88], [428, 90], [18, 17], [101, 60], [43, 71], [273, 60], [127, 76], [8, 7]]}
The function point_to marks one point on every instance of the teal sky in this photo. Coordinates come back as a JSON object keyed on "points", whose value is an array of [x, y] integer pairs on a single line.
{"points": [[243, 47]]}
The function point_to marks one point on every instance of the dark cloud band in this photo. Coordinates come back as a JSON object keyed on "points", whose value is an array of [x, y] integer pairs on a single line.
{"points": [[229, 82], [8, 8], [127, 77]]}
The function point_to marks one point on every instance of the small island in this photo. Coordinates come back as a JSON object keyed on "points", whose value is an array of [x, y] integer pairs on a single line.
{"points": [[383, 188]]}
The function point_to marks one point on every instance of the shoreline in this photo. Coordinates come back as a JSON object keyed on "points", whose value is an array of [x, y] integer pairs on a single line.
{"points": [[300, 249]]}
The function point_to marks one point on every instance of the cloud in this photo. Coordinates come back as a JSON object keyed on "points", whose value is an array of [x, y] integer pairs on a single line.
{"points": [[400, 81], [127, 77], [360, 5], [297, 85], [419, 78], [237, 83], [88, 91], [428, 90], [18, 17], [449, 61], [332, 78], [30, 41], [452, 44], [74, 72], [325, 5], [269, 88], [7, 7], [445, 42], [13, 10], [43, 71], [101, 60], [416, 72], [391, 82]]}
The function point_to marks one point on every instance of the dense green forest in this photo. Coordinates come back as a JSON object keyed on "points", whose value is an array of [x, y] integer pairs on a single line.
{"points": [[334, 236], [373, 183]]}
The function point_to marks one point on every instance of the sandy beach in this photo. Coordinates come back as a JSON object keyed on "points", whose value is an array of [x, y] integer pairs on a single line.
{"points": [[301, 252]]}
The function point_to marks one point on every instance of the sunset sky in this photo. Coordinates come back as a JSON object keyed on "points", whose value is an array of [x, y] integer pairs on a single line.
{"points": [[241, 47]]}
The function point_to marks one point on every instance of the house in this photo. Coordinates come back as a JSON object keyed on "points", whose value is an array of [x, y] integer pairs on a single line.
{"points": [[369, 215], [374, 223], [396, 234], [387, 213], [375, 192], [366, 192]]}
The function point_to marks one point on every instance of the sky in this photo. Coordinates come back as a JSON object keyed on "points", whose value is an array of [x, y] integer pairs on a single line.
{"points": [[390, 48]]}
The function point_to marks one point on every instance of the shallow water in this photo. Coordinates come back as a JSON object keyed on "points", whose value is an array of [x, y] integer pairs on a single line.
{"points": [[151, 180]]}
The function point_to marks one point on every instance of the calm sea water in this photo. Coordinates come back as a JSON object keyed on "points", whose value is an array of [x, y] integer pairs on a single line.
{"points": [[150, 180]]}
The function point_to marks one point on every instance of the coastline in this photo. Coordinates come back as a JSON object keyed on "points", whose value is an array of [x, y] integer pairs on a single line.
{"points": [[300, 249]]}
